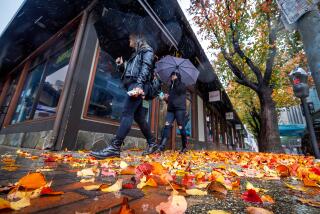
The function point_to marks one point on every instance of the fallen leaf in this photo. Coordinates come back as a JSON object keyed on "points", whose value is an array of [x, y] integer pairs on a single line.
{"points": [[144, 169], [92, 187], [298, 188], [236, 184], [32, 181], [196, 192], [125, 208], [215, 186], [130, 170], [123, 165], [283, 170], [10, 168], [267, 199], [87, 180], [128, 186], [144, 183], [250, 186], [309, 202], [86, 172], [217, 212], [19, 194], [22, 203], [158, 169], [4, 204], [251, 196], [176, 204], [257, 210], [310, 183], [315, 177], [114, 188], [50, 191]]}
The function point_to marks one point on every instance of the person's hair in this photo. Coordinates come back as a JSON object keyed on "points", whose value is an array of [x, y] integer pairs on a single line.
{"points": [[140, 41]]}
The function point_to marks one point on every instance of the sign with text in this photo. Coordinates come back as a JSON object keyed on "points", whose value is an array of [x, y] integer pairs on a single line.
{"points": [[229, 116], [214, 96], [294, 9]]}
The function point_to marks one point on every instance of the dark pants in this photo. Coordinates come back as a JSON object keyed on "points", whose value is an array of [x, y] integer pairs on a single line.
{"points": [[180, 117], [133, 110]]}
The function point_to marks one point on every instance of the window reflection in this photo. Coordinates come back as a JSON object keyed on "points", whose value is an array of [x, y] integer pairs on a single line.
{"points": [[45, 80]]}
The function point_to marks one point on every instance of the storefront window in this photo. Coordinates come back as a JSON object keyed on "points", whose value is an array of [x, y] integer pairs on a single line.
{"points": [[108, 94], [45, 80]]}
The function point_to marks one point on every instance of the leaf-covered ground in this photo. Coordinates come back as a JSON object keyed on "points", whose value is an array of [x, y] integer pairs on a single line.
{"points": [[195, 182]]}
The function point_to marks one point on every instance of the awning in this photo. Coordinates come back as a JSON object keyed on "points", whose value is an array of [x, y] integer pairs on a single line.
{"points": [[292, 130]]}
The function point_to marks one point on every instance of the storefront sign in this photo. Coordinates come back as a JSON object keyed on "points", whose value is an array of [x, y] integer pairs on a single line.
{"points": [[229, 116], [214, 96], [294, 9], [238, 127]]}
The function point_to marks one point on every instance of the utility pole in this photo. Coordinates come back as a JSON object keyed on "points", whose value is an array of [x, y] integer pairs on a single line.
{"points": [[309, 28]]}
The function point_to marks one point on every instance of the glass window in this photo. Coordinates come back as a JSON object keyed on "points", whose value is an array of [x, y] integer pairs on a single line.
{"points": [[107, 96], [52, 86], [45, 80]]}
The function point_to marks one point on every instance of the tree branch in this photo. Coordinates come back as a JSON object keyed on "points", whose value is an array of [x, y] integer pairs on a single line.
{"points": [[272, 51]]}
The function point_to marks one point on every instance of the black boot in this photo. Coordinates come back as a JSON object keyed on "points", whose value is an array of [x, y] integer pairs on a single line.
{"points": [[162, 145], [113, 150], [184, 143], [151, 148]]}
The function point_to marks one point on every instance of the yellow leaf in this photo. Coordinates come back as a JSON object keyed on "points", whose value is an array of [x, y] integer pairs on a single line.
{"points": [[267, 199], [86, 172], [92, 187], [196, 192], [257, 210], [123, 165], [314, 177], [24, 202], [114, 188], [4, 204], [218, 212], [87, 180], [250, 186], [310, 202], [17, 194], [299, 188]]}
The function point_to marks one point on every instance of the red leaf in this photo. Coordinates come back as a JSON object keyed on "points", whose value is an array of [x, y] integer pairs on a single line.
{"points": [[128, 186], [49, 191], [188, 180], [316, 170], [49, 159], [144, 169], [251, 196]]}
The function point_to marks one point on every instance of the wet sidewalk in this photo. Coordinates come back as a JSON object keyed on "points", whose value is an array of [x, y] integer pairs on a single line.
{"points": [[62, 170]]}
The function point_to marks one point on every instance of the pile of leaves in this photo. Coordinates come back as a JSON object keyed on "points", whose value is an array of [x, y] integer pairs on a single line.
{"points": [[195, 173]]}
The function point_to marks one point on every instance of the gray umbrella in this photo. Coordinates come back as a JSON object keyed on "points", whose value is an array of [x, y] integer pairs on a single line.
{"points": [[184, 67]]}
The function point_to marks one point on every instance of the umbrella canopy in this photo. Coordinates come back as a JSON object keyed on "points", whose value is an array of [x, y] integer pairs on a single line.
{"points": [[113, 29], [168, 64]]}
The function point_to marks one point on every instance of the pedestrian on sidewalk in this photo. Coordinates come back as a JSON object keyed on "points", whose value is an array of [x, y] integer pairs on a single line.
{"points": [[176, 111], [136, 72]]}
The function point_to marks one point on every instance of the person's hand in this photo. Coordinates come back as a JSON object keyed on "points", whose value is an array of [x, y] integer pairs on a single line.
{"points": [[119, 61], [139, 92], [166, 96]]}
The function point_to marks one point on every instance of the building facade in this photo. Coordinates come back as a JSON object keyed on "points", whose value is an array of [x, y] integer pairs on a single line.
{"points": [[60, 88]]}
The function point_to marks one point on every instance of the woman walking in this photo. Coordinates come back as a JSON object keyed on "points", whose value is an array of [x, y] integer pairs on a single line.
{"points": [[176, 111], [136, 73]]}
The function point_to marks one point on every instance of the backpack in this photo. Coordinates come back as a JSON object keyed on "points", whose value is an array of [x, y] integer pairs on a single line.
{"points": [[152, 87]]}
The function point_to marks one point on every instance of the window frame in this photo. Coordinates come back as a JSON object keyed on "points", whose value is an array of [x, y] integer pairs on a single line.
{"points": [[26, 68]]}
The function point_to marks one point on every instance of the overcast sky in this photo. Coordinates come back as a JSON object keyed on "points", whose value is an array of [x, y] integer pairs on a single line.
{"points": [[8, 8]]}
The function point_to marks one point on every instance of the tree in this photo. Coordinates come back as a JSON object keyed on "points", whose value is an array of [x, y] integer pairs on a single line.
{"points": [[246, 33]]}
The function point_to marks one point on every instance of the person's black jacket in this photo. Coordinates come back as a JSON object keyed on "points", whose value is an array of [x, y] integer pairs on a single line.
{"points": [[139, 65], [177, 95]]}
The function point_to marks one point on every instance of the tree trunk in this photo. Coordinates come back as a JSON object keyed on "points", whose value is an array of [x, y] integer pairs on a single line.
{"points": [[269, 134]]}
